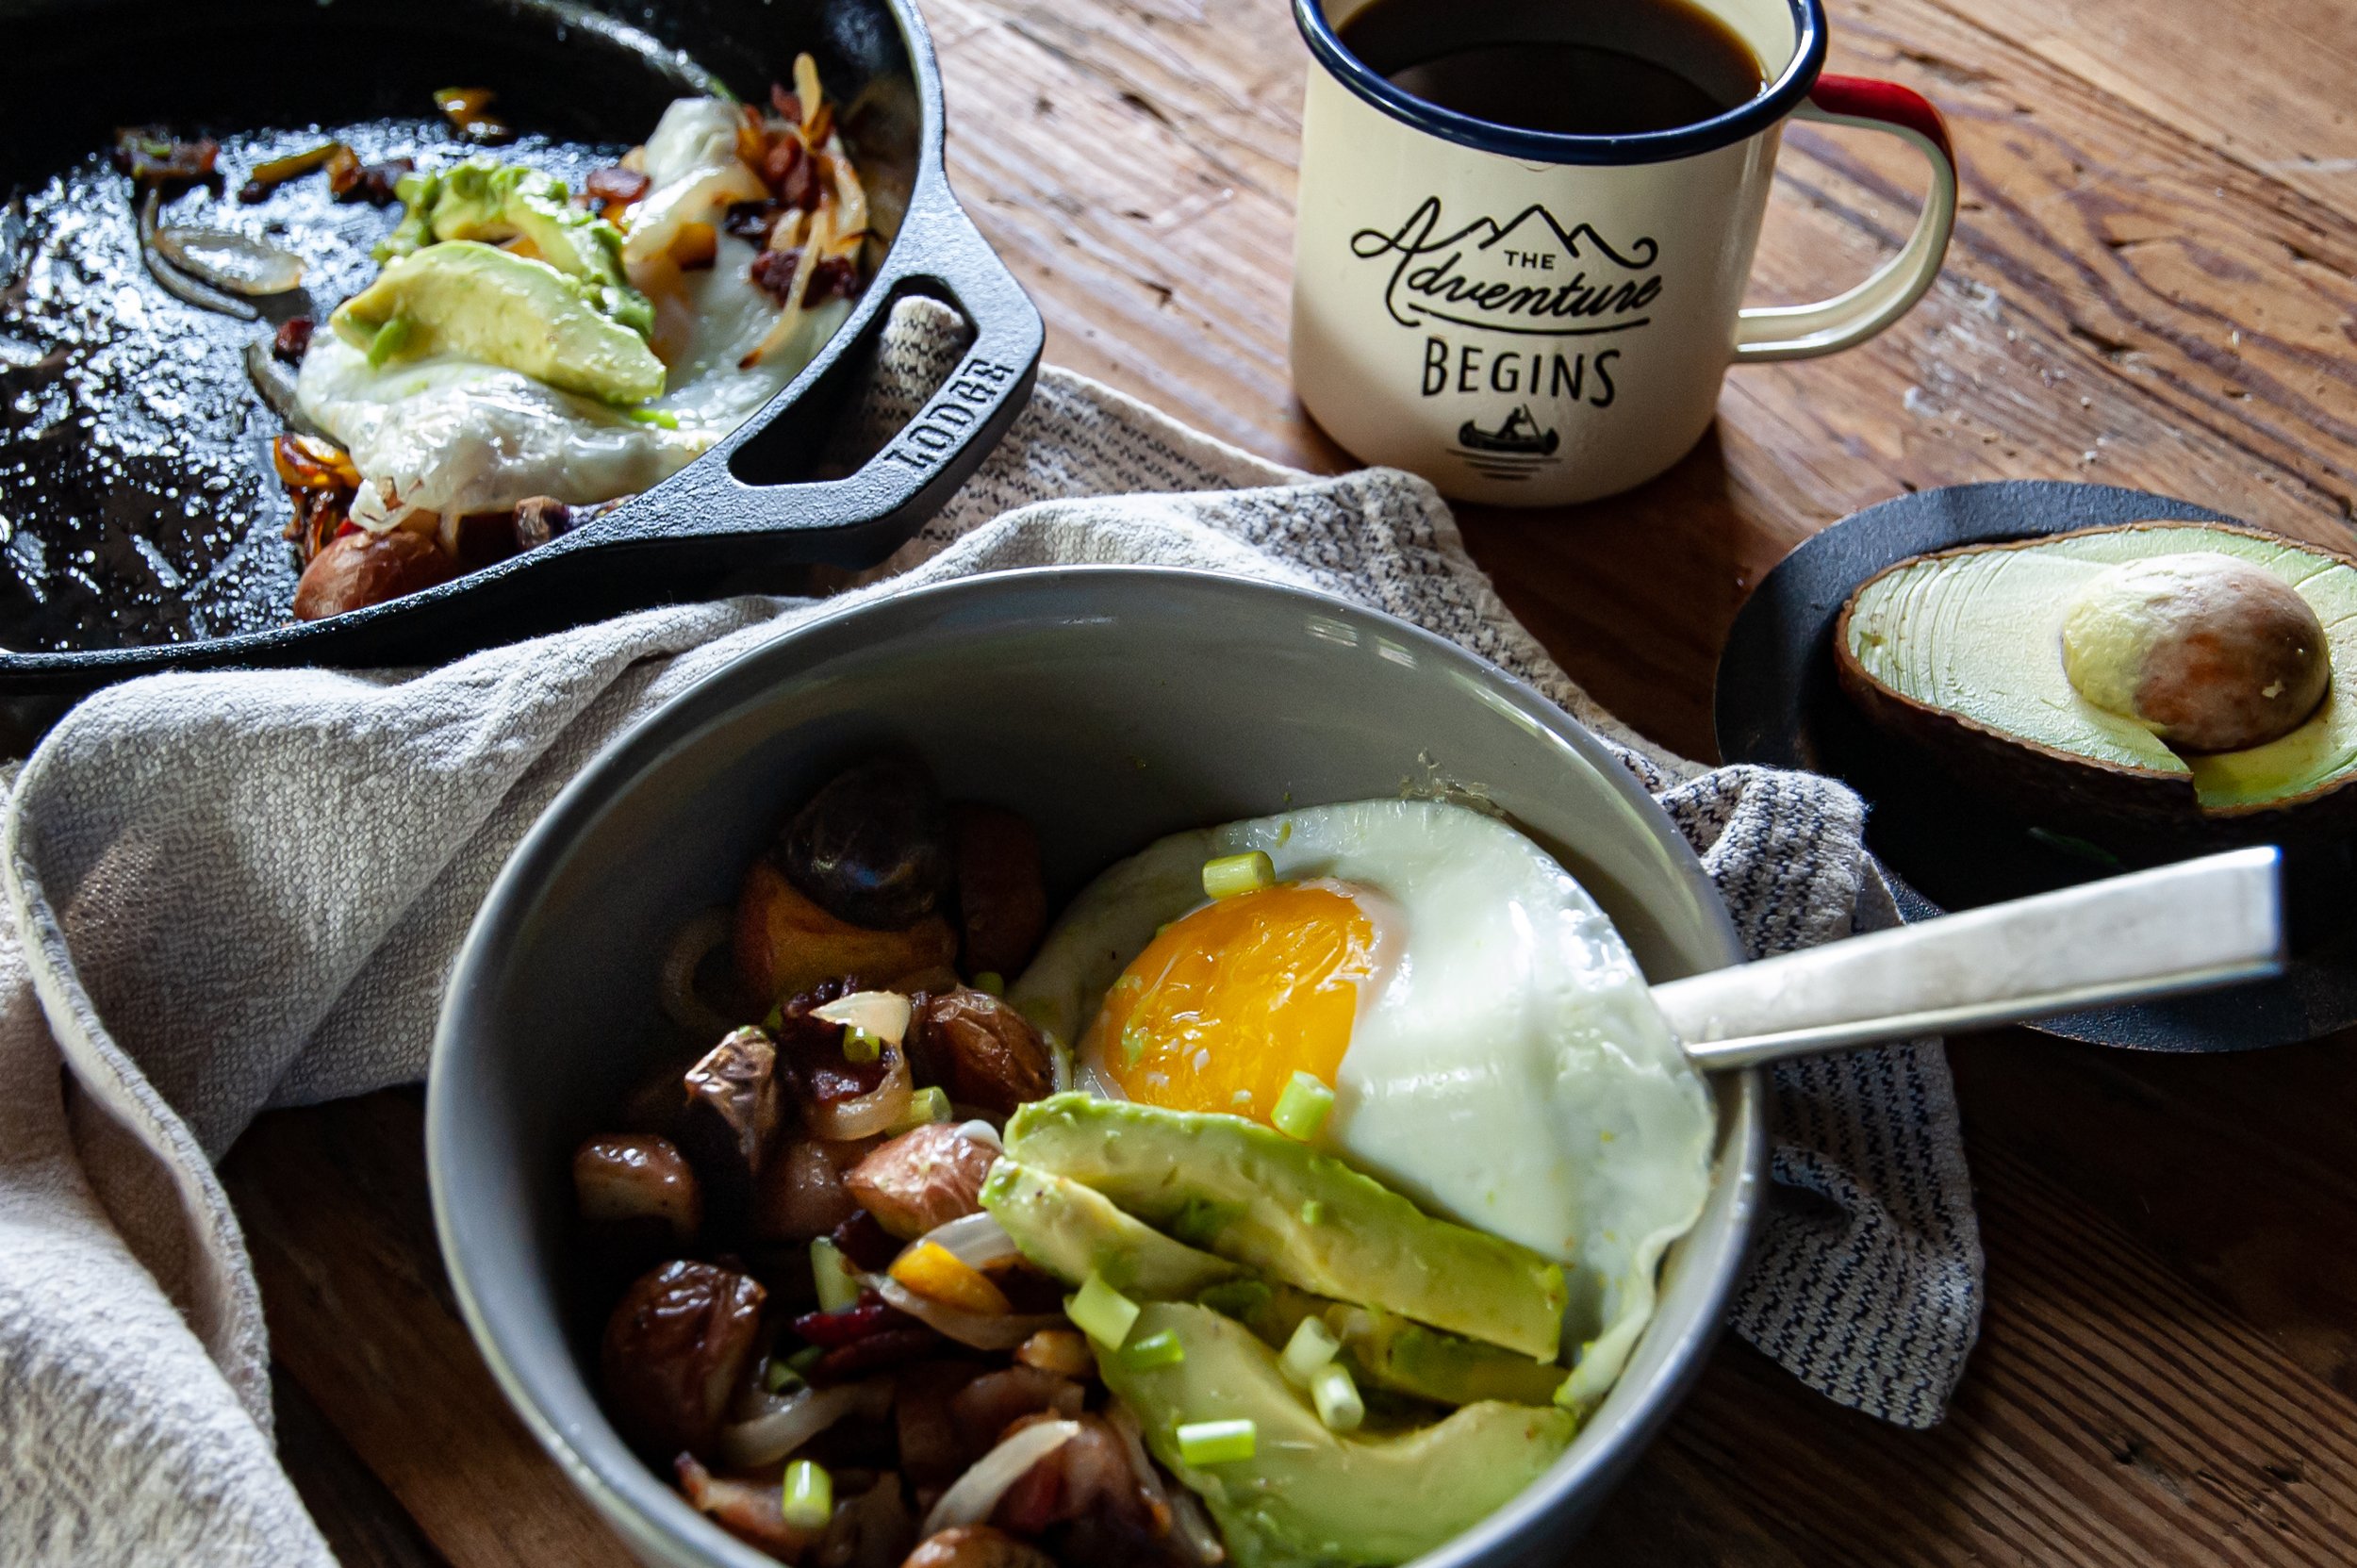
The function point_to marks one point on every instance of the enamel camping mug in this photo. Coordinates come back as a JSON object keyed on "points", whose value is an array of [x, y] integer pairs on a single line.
{"points": [[1529, 317]]}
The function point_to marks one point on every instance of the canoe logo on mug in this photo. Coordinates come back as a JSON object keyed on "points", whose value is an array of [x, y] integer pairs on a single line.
{"points": [[1532, 279]]}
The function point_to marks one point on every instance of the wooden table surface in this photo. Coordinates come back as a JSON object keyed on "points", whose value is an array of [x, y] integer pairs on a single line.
{"points": [[2154, 282]]}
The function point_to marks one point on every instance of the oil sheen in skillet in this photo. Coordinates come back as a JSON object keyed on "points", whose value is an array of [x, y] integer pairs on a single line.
{"points": [[137, 501]]}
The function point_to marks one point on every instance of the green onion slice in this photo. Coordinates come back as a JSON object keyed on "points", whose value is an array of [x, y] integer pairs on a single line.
{"points": [[1101, 1311], [1301, 1108], [809, 1495], [1337, 1398], [1216, 1442], [1312, 1348], [1230, 875], [1162, 1350], [838, 1286]]}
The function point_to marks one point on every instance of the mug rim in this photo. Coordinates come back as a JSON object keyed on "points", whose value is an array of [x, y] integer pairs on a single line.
{"points": [[1746, 120]]}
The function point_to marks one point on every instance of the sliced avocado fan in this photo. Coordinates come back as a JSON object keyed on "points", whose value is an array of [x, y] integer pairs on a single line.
{"points": [[1965, 650], [1308, 1498], [1251, 1195], [465, 298]]}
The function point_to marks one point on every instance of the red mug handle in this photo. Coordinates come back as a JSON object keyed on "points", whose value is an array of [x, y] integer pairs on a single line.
{"points": [[1806, 331]]}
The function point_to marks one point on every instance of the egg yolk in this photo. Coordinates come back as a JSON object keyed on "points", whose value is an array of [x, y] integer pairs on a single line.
{"points": [[1226, 1005]]}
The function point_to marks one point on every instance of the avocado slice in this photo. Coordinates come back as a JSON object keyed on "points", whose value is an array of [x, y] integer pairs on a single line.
{"points": [[1072, 1231], [478, 302], [1251, 1195], [486, 200], [1385, 1350], [1309, 1496], [2074, 676]]}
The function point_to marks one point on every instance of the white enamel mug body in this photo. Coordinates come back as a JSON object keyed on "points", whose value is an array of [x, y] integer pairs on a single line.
{"points": [[1532, 319]]}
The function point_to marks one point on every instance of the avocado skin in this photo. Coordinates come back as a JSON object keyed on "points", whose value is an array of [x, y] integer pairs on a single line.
{"points": [[1239, 1189], [467, 298], [1311, 1498], [2124, 806], [1072, 1231]]}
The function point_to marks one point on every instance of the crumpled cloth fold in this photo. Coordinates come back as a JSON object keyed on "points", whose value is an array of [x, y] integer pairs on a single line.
{"points": [[238, 890]]}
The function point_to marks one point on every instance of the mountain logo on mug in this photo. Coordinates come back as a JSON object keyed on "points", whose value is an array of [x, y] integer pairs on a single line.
{"points": [[1530, 275]]}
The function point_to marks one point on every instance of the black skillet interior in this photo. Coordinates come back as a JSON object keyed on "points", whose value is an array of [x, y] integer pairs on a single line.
{"points": [[160, 531], [1777, 702]]}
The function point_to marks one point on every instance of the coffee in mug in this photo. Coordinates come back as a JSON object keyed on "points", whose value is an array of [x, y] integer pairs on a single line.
{"points": [[1526, 227]]}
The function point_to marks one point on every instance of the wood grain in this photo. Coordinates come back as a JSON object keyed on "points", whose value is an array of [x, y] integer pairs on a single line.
{"points": [[335, 1207], [2154, 282]]}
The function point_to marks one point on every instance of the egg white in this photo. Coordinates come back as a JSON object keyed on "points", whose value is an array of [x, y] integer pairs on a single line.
{"points": [[451, 436], [1508, 1068]]}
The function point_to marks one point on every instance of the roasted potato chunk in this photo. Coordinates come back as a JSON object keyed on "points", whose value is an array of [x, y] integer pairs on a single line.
{"points": [[633, 1179], [676, 1347], [787, 945], [978, 1049], [1003, 902], [873, 846], [922, 1179]]}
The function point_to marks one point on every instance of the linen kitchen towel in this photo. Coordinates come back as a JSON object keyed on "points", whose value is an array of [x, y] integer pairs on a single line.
{"points": [[233, 891]]}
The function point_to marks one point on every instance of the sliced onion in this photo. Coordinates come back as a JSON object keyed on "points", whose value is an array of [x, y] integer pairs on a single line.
{"points": [[676, 984], [850, 200], [794, 313], [974, 1497], [882, 1013], [1193, 1529], [276, 382], [976, 1240], [766, 1439], [230, 261], [178, 284], [1124, 1421], [982, 1330], [877, 1111], [983, 1133]]}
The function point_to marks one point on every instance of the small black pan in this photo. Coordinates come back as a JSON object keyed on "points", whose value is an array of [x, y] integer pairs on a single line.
{"points": [[748, 515]]}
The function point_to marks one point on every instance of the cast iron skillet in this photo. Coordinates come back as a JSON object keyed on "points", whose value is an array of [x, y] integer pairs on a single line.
{"points": [[747, 515]]}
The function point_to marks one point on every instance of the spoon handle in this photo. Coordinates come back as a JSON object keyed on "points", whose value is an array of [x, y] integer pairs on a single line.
{"points": [[2179, 928]]}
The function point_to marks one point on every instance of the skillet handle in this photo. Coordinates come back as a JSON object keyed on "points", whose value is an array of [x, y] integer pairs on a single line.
{"points": [[858, 519]]}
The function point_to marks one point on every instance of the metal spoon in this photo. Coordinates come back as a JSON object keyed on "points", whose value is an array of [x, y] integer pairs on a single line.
{"points": [[2187, 927]]}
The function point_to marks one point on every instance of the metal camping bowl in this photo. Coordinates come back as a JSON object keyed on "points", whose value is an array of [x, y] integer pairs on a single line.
{"points": [[1111, 705], [739, 517]]}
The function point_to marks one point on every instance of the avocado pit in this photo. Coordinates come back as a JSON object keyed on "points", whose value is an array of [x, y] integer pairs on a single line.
{"points": [[2208, 652]]}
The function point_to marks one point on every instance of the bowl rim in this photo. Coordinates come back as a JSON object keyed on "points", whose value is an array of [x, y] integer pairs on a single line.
{"points": [[623, 764]]}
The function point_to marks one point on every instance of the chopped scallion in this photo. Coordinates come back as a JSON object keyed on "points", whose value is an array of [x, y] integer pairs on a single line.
{"points": [[1216, 1442], [1161, 1349], [390, 339], [779, 1376], [1301, 1108], [860, 1045], [661, 418], [809, 1495], [926, 1105], [1312, 1347], [838, 1286], [1337, 1398], [1230, 875], [991, 983], [1101, 1311], [774, 1019], [806, 1358]]}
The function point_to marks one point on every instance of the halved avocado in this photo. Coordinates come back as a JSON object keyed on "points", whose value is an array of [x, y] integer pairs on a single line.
{"points": [[2074, 676]]}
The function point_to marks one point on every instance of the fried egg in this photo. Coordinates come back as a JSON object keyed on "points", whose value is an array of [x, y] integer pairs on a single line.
{"points": [[1489, 1041], [450, 435]]}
